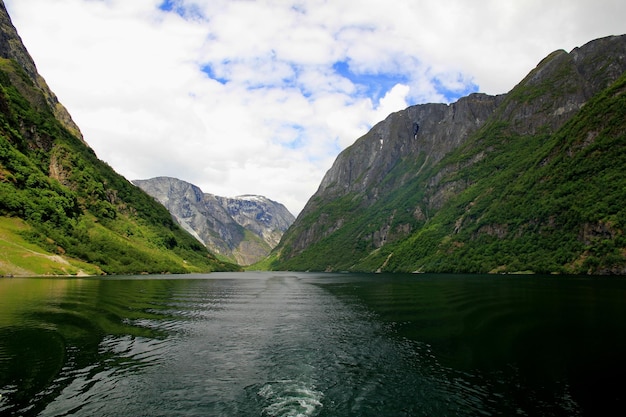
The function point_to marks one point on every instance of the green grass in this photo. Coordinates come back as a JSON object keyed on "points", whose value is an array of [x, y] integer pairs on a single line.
{"points": [[75, 204], [543, 202], [19, 257]]}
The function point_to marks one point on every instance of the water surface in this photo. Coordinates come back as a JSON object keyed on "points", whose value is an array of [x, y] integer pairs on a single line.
{"points": [[304, 344]]}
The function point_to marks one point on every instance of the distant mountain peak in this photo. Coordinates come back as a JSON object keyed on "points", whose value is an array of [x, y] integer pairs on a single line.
{"points": [[62, 210], [243, 229]]}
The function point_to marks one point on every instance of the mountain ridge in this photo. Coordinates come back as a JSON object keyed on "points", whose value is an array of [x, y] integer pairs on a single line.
{"points": [[12, 47], [393, 186], [62, 210], [242, 229]]}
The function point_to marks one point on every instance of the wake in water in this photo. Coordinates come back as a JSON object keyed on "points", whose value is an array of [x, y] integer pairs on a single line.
{"points": [[290, 398], [324, 357]]}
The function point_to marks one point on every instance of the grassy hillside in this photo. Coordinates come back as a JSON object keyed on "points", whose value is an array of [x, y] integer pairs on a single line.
{"points": [[503, 202], [538, 203], [18, 256], [74, 205]]}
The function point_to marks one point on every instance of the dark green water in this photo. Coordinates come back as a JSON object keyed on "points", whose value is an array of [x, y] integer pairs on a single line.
{"points": [[295, 344]]}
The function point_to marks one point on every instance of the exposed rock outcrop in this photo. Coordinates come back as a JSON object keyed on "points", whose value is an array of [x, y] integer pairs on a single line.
{"points": [[244, 228], [11, 47], [396, 182]]}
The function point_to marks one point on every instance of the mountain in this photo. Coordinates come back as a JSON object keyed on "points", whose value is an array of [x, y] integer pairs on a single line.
{"points": [[529, 181], [242, 229], [62, 210]]}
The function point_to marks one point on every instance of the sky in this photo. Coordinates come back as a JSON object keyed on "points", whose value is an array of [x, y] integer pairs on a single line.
{"points": [[259, 97]]}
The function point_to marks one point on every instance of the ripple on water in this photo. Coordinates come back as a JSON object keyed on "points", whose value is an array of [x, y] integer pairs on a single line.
{"points": [[281, 346], [289, 398]]}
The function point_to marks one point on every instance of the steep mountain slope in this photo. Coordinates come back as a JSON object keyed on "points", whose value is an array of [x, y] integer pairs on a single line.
{"points": [[62, 210], [528, 181], [243, 229]]}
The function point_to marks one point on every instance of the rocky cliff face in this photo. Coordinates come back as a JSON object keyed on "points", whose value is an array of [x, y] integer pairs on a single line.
{"points": [[394, 182], [360, 171], [244, 229], [11, 47], [440, 129]]}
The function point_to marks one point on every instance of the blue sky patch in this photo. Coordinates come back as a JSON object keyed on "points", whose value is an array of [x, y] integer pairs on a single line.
{"points": [[170, 6], [374, 86], [208, 70], [453, 95], [176, 6]]}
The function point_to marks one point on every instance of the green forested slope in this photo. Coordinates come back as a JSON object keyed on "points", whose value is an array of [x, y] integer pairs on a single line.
{"points": [[538, 203], [520, 195], [75, 205]]}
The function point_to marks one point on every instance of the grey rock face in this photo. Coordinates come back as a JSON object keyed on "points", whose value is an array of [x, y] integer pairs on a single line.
{"points": [[549, 101], [542, 102], [244, 229], [361, 169], [442, 128], [11, 47]]}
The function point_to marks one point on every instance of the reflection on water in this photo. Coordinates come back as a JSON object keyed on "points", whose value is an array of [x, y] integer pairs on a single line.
{"points": [[284, 344]]}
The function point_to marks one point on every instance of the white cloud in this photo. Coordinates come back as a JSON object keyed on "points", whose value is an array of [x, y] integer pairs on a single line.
{"points": [[244, 97]]}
